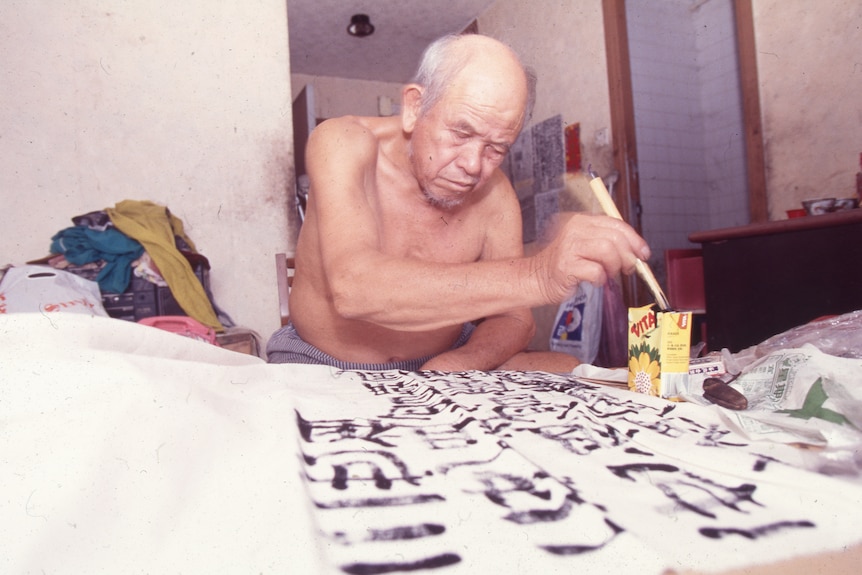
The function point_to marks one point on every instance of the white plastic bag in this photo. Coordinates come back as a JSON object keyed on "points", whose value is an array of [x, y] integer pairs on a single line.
{"points": [[578, 324], [803, 396], [47, 290]]}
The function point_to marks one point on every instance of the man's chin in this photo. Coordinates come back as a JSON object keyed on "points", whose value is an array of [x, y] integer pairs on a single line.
{"points": [[446, 203]]}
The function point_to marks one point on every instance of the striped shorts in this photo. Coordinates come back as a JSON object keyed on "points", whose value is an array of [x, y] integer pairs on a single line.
{"points": [[285, 346]]}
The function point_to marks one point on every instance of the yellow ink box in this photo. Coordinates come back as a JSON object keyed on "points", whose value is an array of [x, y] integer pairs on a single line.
{"points": [[659, 345]]}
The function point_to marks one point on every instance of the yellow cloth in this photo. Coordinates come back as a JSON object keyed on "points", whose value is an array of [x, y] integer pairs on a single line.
{"points": [[155, 228]]}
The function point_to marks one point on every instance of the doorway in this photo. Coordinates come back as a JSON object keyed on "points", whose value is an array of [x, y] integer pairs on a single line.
{"points": [[685, 126]]}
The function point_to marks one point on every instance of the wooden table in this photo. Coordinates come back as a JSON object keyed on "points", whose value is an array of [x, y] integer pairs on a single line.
{"points": [[762, 279]]}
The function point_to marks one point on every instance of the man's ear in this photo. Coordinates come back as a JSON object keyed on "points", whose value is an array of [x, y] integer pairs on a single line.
{"points": [[411, 102]]}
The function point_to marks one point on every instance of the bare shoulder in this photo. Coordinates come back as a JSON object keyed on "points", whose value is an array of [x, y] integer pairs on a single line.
{"points": [[500, 198], [502, 214], [345, 125], [352, 133], [344, 151], [341, 133]]}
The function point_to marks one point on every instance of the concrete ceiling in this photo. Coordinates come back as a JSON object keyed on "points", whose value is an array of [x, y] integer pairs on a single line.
{"points": [[321, 46]]}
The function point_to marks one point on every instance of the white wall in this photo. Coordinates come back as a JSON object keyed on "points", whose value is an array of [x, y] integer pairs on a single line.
{"points": [[809, 64], [810, 81], [688, 120], [186, 104], [564, 42], [721, 105], [335, 97]]}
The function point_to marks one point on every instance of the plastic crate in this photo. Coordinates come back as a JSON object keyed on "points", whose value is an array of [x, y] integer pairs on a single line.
{"points": [[145, 299]]}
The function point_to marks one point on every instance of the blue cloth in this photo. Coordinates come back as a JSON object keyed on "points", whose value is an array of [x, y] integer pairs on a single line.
{"points": [[285, 346], [81, 245]]}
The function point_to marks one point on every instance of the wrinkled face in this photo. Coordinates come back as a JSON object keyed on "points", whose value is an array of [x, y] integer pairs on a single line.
{"points": [[456, 146]]}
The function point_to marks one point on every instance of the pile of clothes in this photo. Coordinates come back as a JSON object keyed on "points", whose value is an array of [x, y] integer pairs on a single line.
{"points": [[140, 238]]}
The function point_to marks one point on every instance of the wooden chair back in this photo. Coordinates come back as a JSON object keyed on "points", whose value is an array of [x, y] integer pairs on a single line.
{"points": [[285, 268]]}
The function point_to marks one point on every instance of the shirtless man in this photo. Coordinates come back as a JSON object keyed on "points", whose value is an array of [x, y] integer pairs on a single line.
{"points": [[412, 232]]}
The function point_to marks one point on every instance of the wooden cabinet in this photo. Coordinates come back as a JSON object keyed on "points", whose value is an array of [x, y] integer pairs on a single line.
{"points": [[762, 279]]}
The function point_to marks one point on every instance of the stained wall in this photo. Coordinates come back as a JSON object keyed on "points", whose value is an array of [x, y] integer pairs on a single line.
{"points": [[185, 104]]}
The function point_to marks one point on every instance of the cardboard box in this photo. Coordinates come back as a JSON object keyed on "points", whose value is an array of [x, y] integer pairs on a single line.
{"points": [[240, 340], [659, 347]]}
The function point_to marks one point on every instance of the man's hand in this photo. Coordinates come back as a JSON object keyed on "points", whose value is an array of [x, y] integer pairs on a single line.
{"points": [[550, 361], [452, 360], [493, 342], [587, 248]]}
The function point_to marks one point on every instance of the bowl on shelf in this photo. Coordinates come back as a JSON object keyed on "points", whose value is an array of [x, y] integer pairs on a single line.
{"points": [[819, 207], [845, 204]]}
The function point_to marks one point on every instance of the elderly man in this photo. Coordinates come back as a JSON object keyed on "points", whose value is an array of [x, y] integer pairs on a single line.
{"points": [[412, 234]]}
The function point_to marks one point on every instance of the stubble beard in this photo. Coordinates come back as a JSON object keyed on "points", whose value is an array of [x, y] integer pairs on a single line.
{"points": [[442, 203], [445, 204]]}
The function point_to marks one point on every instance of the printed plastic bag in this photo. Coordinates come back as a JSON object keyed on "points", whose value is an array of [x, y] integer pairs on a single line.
{"points": [[613, 345], [803, 396], [44, 289], [578, 324]]}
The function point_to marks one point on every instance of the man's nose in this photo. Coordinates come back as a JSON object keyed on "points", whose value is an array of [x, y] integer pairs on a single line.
{"points": [[470, 159]]}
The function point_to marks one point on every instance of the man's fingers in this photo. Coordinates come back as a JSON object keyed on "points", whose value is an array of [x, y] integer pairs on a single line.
{"points": [[629, 244], [591, 248], [633, 241]]}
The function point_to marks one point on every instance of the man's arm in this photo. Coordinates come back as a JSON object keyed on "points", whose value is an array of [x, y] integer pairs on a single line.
{"points": [[499, 337], [416, 295], [401, 293]]}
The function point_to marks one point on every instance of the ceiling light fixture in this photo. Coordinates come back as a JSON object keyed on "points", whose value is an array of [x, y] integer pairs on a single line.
{"points": [[360, 26]]}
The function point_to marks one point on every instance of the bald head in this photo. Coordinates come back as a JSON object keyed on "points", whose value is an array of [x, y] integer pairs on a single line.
{"points": [[456, 56]]}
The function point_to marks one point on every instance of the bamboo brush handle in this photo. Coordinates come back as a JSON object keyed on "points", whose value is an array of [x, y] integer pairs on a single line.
{"points": [[643, 270]]}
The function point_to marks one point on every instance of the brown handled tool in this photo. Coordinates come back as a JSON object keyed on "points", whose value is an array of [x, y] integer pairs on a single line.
{"points": [[643, 269]]}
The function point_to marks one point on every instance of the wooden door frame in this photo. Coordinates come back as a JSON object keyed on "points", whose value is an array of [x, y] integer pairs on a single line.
{"points": [[623, 124], [623, 140], [755, 163]]}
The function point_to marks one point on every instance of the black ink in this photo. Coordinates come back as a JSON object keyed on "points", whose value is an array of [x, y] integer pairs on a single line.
{"points": [[437, 562], [571, 549], [625, 471], [581, 439], [547, 500], [402, 533], [763, 461], [671, 494], [342, 429], [380, 501], [446, 436], [579, 549], [532, 516], [340, 478], [342, 461], [406, 532], [756, 532]]}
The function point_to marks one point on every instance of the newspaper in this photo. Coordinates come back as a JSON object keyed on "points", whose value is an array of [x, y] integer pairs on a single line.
{"points": [[805, 397]]}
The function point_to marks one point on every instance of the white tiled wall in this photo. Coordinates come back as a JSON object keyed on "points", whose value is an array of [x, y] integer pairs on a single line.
{"points": [[721, 106], [687, 118]]}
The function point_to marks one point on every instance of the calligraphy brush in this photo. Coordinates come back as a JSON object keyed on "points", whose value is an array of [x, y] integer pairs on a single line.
{"points": [[642, 268]]}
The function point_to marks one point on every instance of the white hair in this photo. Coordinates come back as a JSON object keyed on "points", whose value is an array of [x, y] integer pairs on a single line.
{"points": [[439, 66]]}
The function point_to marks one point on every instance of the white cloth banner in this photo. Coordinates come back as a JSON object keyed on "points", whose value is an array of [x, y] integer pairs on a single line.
{"points": [[120, 454]]}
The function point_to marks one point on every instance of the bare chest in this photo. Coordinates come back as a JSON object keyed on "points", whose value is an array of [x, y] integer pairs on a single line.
{"points": [[431, 235]]}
